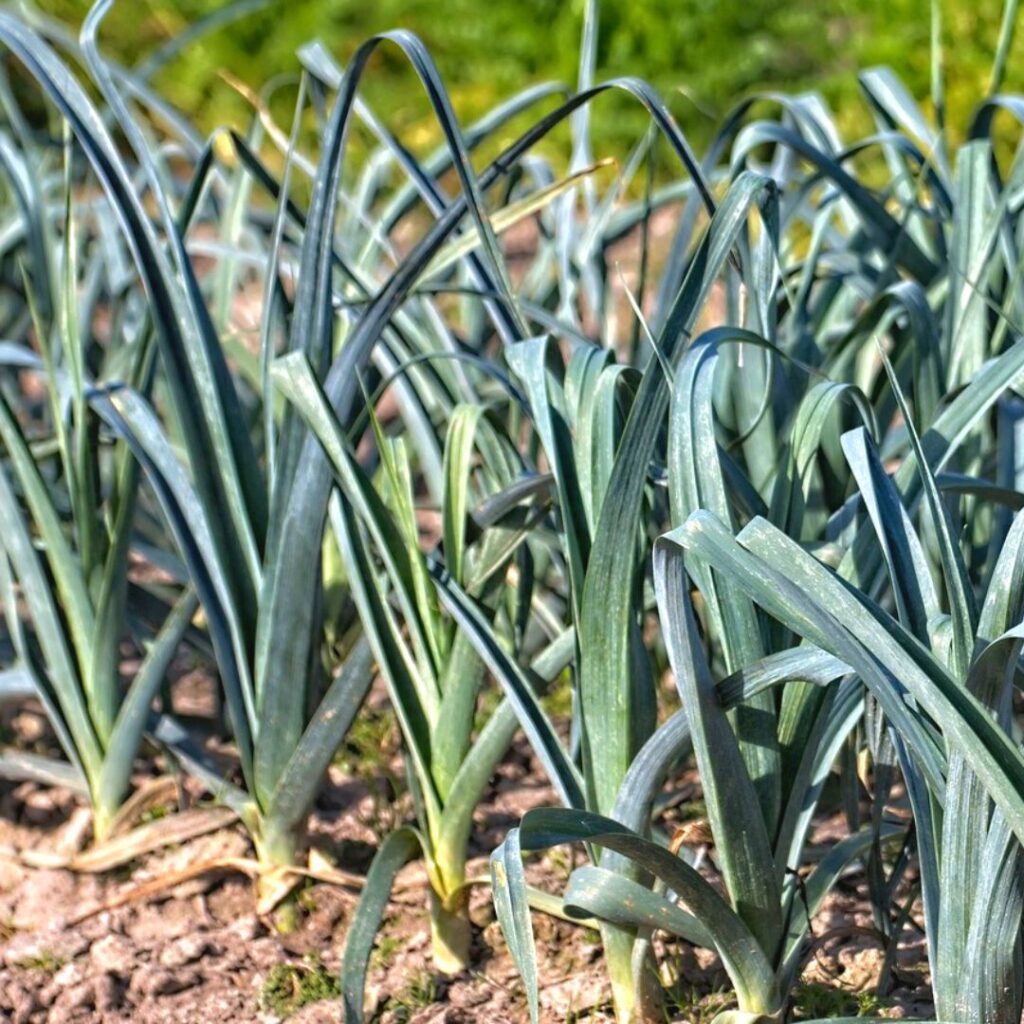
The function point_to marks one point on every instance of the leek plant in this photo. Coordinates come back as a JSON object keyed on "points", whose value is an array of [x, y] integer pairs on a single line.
{"points": [[830, 269], [75, 586], [215, 500], [717, 463], [245, 518], [71, 501], [433, 671], [760, 792], [951, 670]]}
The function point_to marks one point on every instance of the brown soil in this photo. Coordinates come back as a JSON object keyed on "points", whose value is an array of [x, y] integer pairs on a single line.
{"points": [[198, 952]]}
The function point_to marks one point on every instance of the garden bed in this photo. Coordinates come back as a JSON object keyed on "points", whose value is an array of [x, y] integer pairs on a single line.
{"points": [[197, 951]]}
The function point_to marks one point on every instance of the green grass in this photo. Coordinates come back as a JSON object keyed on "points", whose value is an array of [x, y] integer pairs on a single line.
{"points": [[369, 745], [384, 951], [419, 992], [290, 986], [45, 961], [694, 1006], [817, 1001], [701, 56]]}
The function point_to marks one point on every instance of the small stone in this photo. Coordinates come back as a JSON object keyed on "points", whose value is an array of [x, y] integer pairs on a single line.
{"points": [[264, 952], [113, 954], [81, 997], [37, 810], [69, 975], [165, 983], [23, 948], [29, 727], [11, 992], [11, 874], [246, 928], [469, 997], [186, 950], [25, 1010], [66, 1012], [157, 981]]}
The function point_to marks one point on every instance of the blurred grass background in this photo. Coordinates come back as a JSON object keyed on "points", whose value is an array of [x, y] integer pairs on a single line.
{"points": [[702, 55]]}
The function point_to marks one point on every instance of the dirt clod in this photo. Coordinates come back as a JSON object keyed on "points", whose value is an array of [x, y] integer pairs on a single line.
{"points": [[109, 993], [158, 981], [113, 954], [186, 950]]}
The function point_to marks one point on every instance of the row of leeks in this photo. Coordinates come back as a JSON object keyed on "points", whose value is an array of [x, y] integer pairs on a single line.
{"points": [[779, 461]]}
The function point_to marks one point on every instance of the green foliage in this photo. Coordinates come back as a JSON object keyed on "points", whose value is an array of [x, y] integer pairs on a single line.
{"points": [[290, 986], [744, 417], [45, 961], [702, 57], [384, 950], [420, 991], [689, 1004], [817, 1001]]}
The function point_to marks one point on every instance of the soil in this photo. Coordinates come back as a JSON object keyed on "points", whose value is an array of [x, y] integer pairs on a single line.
{"points": [[198, 952]]}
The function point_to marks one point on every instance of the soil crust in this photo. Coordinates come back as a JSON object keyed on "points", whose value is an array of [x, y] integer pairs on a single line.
{"points": [[198, 952]]}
